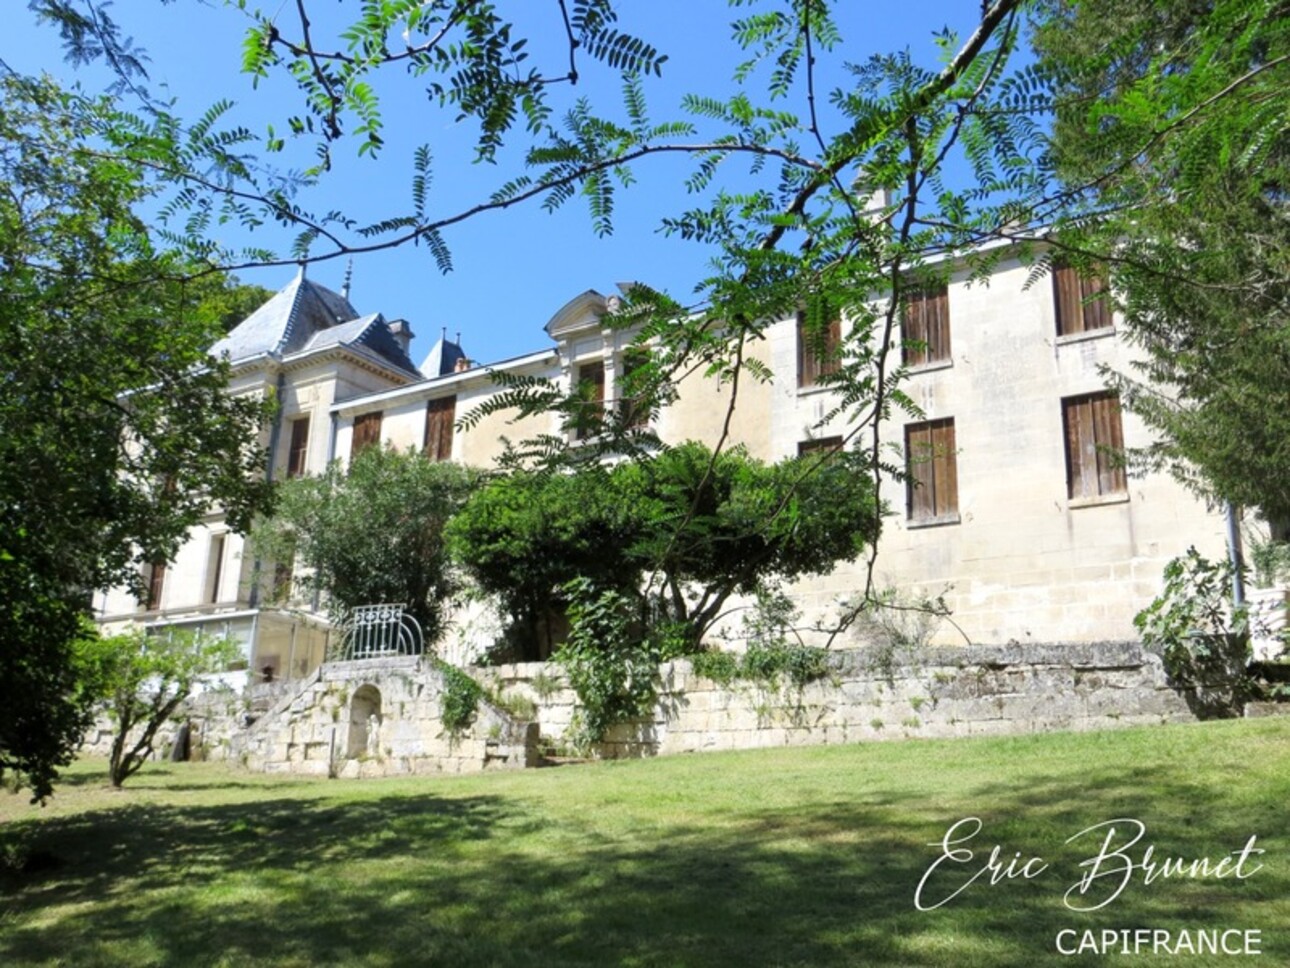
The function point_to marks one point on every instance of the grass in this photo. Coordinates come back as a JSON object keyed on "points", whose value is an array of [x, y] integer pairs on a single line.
{"points": [[785, 857]]}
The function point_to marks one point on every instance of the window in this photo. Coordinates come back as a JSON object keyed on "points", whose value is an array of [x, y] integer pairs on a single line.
{"points": [[591, 391], [1094, 446], [441, 414], [805, 447], [925, 325], [633, 408], [818, 343], [214, 568], [1080, 301], [932, 468], [367, 431], [154, 577], [299, 452]]}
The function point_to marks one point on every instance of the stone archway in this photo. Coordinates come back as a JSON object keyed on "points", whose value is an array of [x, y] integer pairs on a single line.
{"points": [[364, 722]]}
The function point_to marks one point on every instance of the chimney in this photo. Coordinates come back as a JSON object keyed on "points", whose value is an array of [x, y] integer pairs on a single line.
{"points": [[402, 333]]}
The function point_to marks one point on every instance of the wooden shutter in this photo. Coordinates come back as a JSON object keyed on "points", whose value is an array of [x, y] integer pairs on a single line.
{"points": [[156, 584], [591, 387], [932, 470], [805, 447], [1094, 445], [441, 414], [918, 446], [926, 322], [632, 407], [817, 353], [299, 452], [367, 431], [1079, 301], [1095, 306], [1110, 444], [945, 471], [1066, 298], [215, 568]]}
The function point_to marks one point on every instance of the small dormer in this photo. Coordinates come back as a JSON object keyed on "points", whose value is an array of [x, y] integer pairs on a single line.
{"points": [[579, 317]]}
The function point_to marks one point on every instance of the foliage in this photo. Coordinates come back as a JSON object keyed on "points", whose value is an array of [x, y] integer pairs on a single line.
{"points": [[681, 532], [372, 532], [519, 706], [716, 665], [469, 60], [521, 536], [1173, 127], [1203, 639], [609, 659], [1269, 560], [810, 224], [49, 689], [144, 679], [460, 698], [769, 656], [902, 621], [117, 434], [719, 524]]}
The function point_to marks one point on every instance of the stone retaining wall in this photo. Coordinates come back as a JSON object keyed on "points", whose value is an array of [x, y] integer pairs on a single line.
{"points": [[323, 725], [872, 695], [379, 717]]}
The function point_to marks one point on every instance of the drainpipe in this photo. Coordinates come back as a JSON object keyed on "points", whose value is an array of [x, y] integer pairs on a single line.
{"points": [[1235, 555]]}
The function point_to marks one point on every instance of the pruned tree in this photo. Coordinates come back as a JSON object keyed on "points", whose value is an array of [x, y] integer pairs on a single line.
{"points": [[679, 534]]}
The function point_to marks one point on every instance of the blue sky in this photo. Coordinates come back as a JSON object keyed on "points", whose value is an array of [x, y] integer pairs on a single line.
{"points": [[513, 269]]}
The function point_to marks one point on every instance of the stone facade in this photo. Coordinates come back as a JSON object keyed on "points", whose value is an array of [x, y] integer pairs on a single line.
{"points": [[1019, 554]]}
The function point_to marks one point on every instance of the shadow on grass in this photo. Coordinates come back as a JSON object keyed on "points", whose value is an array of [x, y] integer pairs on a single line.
{"points": [[484, 880]]}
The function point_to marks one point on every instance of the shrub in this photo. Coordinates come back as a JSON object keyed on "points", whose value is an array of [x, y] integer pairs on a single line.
{"points": [[611, 664], [461, 695], [1203, 639]]}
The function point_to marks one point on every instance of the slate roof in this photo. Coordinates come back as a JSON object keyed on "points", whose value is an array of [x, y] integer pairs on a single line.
{"points": [[442, 358], [305, 317]]}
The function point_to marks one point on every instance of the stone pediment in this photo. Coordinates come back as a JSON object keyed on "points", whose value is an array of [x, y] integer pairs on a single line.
{"points": [[578, 315]]}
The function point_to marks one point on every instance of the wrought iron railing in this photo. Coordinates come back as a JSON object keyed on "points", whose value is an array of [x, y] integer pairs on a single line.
{"points": [[377, 631]]}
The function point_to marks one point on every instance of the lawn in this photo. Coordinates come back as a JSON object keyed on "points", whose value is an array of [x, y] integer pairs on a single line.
{"points": [[784, 857]]}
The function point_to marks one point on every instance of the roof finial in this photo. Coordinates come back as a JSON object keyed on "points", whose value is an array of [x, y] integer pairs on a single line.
{"points": [[300, 272], [349, 277], [458, 337]]}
